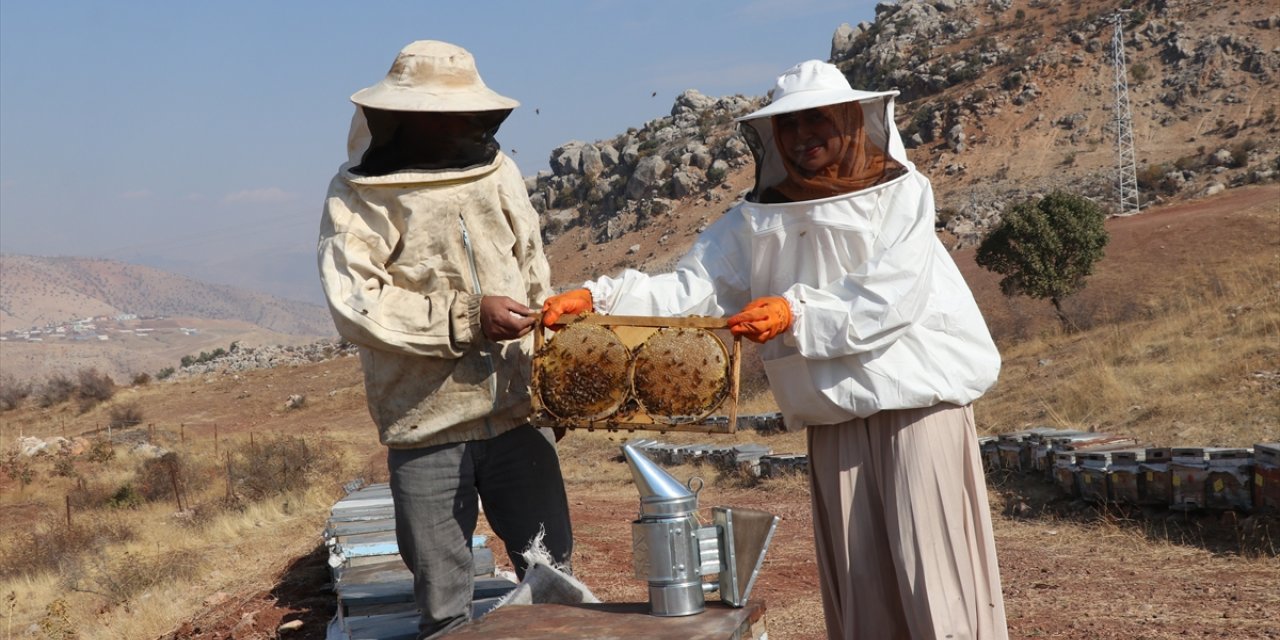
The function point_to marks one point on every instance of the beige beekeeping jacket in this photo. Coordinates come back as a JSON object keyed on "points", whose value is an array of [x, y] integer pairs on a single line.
{"points": [[404, 260]]}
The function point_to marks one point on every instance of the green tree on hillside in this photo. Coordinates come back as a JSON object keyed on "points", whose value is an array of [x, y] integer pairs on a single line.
{"points": [[1046, 248]]}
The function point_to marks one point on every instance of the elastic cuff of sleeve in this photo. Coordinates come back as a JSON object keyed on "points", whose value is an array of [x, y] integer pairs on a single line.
{"points": [[600, 292], [796, 306], [473, 319]]}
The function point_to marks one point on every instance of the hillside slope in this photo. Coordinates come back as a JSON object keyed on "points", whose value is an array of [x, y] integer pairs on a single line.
{"points": [[36, 291], [148, 319]]}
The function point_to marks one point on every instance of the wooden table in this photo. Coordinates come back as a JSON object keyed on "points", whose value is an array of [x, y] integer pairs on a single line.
{"points": [[608, 621]]}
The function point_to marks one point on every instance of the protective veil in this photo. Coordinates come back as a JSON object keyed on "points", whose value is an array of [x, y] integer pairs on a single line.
{"points": [[882, 317]]}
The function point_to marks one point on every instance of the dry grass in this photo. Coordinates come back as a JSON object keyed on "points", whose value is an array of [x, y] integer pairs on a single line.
{"points": [[1205, 370], [130, 560], [146, 586]]}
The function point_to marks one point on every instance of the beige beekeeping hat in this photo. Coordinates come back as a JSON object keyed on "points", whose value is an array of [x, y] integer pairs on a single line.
{"points": [[429, 75]]}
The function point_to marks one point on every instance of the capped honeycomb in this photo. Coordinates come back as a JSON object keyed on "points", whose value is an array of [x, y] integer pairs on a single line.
{"points": [[583, 372], [680, 375]]}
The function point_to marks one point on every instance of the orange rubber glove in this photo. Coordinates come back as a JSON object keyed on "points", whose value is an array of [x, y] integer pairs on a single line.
{"points": [[569, 302], [763, 319]]}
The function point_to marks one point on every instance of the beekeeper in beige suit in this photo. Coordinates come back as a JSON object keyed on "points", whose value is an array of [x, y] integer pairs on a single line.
{"points": [[430, 256], [872, 342]]}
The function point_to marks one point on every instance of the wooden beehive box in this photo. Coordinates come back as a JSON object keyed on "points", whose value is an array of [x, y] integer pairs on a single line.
{"points": [[1064, 472], [1187, 472], [990, 448], [1227, 484], [1092, 472], [1266, 476], [630, 413], [1009, 448], [1155, 480], [1122, 475]]}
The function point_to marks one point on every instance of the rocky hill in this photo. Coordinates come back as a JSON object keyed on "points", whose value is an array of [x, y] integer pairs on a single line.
{"points": [[1000, 100]]}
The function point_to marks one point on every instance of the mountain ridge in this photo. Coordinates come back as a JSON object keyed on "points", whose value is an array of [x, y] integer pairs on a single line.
{"points": [[35, 292], [65, 314]]}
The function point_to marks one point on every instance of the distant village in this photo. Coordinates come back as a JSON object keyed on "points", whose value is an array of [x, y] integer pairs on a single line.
{"points": [[97, 328]]}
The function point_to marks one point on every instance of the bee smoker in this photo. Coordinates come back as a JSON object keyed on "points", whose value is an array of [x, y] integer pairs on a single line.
{"points": [[674, 553]]}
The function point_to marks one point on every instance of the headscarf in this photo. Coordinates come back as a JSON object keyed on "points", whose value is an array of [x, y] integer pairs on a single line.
{"points": [[861, 165]]}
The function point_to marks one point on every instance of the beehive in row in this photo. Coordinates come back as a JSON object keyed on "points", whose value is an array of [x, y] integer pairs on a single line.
{"points": [[1106, 468]]}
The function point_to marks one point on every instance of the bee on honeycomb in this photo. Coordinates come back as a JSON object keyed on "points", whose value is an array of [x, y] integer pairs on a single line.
{"points": [[680, 375], [582, 372]]}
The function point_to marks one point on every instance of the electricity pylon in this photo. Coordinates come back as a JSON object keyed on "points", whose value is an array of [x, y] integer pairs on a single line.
{"points": [[1126, 159]]}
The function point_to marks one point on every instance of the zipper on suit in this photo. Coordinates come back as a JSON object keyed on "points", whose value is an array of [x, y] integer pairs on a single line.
{"points": [[475, 287]]}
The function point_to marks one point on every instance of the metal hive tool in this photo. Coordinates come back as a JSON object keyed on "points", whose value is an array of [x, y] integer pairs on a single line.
{"points": [[680, 375]]}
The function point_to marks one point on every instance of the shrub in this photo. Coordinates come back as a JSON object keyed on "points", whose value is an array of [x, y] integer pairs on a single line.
{"points": [[56, 623], [12, 393], [95, 387], [1012, 81], [18, 469], [93, 495], [205, 356], [164, 373], [142, 379], [101, 452], [716, 174], [156, 477], [125, 497], [1189, 163], [1152, 178], [922, 120], [1240, 152], [552, 227], [126, 414], [56, 390], [1139, 72], [279, 465], [120, 579], [65, 467], [49, 546]]}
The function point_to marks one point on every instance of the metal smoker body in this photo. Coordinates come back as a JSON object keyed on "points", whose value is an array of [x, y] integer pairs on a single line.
{"points": [[674, 553]]}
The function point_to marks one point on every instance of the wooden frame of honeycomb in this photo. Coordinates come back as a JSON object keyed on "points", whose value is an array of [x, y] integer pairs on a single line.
{"points": [[590, 401]]}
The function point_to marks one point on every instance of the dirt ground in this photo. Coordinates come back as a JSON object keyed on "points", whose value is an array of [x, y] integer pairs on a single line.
{"points": [[1068, 573]]}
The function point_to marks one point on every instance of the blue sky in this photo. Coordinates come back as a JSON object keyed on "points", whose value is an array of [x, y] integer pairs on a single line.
{"points": [[200, 137]]}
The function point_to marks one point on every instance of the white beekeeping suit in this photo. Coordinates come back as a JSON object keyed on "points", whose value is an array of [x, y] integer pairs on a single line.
{"points": [[882, 316]]}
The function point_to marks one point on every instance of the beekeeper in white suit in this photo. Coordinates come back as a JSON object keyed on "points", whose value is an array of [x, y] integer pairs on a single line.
{"points": [[872, 342]]}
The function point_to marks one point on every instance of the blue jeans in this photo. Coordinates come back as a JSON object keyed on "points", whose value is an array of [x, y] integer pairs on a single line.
{"points": [[435, 491]]}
